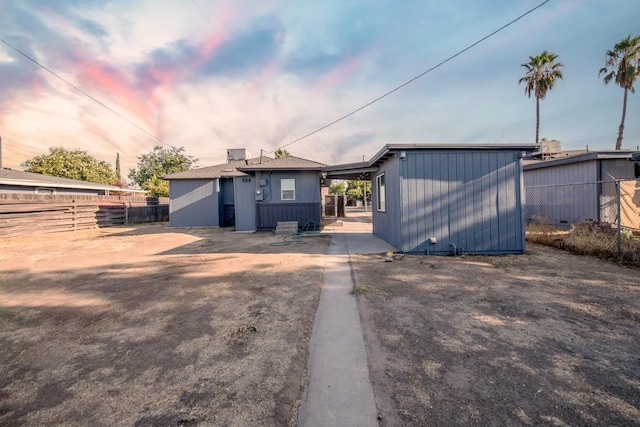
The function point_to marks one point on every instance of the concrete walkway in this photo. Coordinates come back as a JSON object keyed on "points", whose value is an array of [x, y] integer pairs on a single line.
{"points": [[339, 391]]}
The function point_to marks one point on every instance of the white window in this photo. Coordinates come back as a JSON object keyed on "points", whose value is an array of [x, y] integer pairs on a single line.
{"points": [[288, 189], [382, 193]]}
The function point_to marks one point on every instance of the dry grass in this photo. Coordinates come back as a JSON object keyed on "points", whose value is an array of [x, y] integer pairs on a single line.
{"points": [[595, 239]]}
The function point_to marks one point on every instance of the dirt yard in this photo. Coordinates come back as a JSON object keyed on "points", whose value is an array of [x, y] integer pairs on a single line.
{"points": [[151, 326], [546, 338]]}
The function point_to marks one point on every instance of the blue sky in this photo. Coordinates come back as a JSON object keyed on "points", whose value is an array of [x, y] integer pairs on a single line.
{"points": [[211, 75]]}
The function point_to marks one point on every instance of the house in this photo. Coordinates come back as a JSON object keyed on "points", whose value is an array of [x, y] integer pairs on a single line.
{"points": [[446, 199], [565, 188], [250, 194], [19, 182]]}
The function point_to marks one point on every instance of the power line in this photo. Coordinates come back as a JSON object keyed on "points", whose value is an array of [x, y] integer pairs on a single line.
{"points": [[85, 93], [415, 78]]}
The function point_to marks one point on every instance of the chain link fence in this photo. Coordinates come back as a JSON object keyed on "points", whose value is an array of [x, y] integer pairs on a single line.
{"points": [[595, 218]]}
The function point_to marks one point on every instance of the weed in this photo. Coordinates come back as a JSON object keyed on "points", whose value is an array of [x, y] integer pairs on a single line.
{"points": [[359, 290]]}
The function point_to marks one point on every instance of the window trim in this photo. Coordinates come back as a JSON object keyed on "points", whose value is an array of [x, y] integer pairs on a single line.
{"points": [[282, 189], [381, 190]]}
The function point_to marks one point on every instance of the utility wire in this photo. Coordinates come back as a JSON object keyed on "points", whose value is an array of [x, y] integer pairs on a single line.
{"points": [[85, 93], [415, 78]]}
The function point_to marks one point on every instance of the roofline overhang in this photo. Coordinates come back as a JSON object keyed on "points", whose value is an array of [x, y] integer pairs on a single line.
{"points": [[290, 169], [389, 149], [585, 157]]}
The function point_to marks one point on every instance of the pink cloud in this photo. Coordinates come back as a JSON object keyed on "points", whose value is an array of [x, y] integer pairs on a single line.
{"points": [[336, 76], [99, 76]]}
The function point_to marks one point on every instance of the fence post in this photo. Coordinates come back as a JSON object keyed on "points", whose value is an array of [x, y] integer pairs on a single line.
{"points": [[619, 188]]}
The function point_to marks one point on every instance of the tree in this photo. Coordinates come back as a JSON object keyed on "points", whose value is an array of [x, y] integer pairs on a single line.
{"points": [[338, 188], [281, 152], [160, 162], [623, 67], [157, 187], [72, 164], [118, 174], [541, 76], [357, 189]]}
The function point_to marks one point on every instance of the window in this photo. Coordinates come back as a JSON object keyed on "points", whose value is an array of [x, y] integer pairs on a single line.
{"points": [[382, 193], [44, 190], [637, 170], [288, 189]]}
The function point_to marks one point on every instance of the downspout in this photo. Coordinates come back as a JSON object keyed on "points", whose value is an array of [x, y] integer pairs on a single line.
{"points": [[455, 248]]}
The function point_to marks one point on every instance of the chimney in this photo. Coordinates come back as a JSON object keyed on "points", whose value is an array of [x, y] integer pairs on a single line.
{"points": [[236, 154]]}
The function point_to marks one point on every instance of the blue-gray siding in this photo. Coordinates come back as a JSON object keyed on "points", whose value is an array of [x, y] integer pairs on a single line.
{"points": [[387, 224], [244, 189], [617, 169], [307, 186], [471, 199], [305, 208], [270, 213], [194, 203]]}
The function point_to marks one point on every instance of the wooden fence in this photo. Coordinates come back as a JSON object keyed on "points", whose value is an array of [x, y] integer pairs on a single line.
{"points": [[31, 214]]}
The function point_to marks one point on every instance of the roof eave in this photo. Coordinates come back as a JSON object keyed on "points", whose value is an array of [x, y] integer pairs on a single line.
{"points": [[389, 149]]}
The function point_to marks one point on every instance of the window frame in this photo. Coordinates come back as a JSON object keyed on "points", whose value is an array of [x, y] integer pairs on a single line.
{"points": [[283, 189], [381, 190]]}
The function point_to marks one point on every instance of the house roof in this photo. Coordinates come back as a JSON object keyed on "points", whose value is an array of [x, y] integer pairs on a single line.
{"points": [[284, 163], [239, 168], [225, 170], [29, 179], [530, 164]]}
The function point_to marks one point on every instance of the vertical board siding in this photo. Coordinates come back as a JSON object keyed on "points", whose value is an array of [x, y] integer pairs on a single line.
{"points": [[617, 169], [386, 225], [468, 199], [269, 214], [194, 203], [562, 174], [549, 200], [245, 203]]}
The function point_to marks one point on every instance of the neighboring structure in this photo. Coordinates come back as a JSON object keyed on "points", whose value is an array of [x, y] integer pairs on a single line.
{"points": [[250, 194], [19, 182], [571, 187], [446, 199]]}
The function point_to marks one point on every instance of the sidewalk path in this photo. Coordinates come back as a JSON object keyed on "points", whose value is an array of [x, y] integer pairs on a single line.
{"points": [[339, 391]]}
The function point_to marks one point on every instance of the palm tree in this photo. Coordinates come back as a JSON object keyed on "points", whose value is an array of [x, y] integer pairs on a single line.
{"points": [[623, 66], [281, 152], [541, 76]]}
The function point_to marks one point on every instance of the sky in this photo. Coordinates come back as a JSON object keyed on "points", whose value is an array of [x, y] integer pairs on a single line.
{"points": [[208, 75]]}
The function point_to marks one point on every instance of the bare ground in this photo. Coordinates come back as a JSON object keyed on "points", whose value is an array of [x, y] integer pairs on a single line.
{"points": [[151, 326], [546, 338]]}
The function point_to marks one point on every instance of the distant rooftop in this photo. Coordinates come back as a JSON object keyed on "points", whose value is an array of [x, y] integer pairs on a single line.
{"points": [[239, 168], [21, 178], [575, 156]]}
